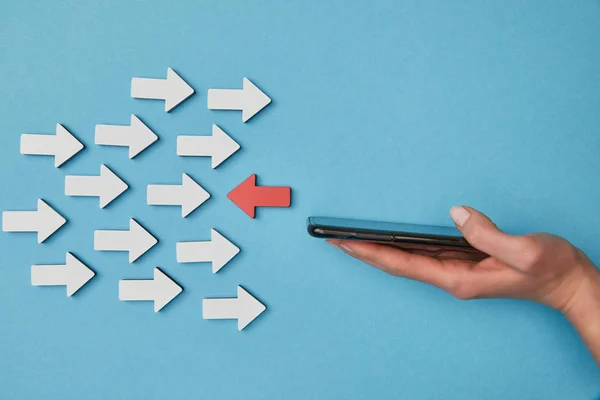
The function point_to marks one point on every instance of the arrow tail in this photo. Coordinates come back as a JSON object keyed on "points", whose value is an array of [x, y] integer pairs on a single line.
{"points": [[220, 308], [82, 185], [188, 252], [164, 195], [20, 221], [199, 146], [272, 196], [132, 290], [44, 145], [112, 240], [148, 88], [225, 99], [112, 135], [48, 275]]}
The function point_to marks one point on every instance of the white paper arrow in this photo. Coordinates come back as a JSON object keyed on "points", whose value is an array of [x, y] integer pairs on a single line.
{"points": [[73, 274], [136, 240], [45, 221], [161, 290], [245, 308], [219, 146], [136, 136], [62, 146], [218, 250], [250, 99], [189, 195], [108, 186], [172, 90]]}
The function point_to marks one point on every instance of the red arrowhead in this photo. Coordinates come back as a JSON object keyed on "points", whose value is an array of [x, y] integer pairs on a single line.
{"points": [[248, 196]]}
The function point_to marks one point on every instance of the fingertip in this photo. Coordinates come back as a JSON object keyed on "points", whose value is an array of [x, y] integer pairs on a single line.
{"points": [[356, 248], [460, 215], [483, 234], [332, 242], [347, 247], [478, 213], [339, 244]]}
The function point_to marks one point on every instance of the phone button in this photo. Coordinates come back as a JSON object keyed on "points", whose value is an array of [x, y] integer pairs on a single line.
{"points": [[374, 237]]}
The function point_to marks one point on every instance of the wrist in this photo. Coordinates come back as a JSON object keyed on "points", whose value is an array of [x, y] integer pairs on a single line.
{"points": [[585, 303], [583, 310]]}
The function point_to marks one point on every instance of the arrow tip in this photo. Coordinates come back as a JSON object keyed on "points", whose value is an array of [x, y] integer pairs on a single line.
{"points": [[249, 308], [194, 195], [140, 240], [165, 289], [112, 186], [254, 100], [242, 195], [177, 90], [78, 274], [49, 221], [67, 146], [141, 137], [223, 250], [224, 146]]}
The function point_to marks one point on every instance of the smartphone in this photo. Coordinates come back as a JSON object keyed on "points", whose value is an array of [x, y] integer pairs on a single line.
{"points": [[407, 236]]}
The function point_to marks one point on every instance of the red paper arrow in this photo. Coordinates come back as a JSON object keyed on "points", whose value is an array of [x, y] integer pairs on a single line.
{"points": [[248, 196]]}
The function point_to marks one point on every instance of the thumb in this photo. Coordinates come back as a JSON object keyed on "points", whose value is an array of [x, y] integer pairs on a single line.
{"points": [[485, 236]]}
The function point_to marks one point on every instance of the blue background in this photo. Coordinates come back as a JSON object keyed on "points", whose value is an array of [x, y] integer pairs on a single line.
{"points": [[389, 110]]}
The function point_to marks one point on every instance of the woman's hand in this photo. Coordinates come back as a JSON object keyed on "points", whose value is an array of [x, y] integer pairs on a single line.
{"points": [[539, 267]]}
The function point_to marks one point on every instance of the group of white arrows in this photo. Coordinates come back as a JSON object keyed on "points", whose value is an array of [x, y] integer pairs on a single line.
{"points": [[108, 186]]}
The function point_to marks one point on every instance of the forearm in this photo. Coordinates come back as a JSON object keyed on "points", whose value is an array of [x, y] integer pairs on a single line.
{"points": [[585, 313]]}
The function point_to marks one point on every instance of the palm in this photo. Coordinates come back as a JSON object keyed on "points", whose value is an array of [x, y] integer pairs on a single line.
{"points": [[485, 277]]}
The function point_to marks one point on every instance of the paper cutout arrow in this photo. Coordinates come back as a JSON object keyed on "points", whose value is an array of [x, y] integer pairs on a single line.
{"points": [[62, 146], [219, 146], [161, 290], [172, 90], [136, 136], [136, 240], [218, 250], [245, 308], [189, 195], [248, 196], [73, 274], [108, 186], [45, 221], [250, 99]]}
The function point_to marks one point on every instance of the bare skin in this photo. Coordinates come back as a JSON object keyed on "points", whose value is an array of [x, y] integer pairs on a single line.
{"points": [[538, 267]]}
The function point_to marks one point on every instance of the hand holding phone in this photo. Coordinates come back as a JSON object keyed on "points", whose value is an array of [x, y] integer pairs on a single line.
{"points": [[539, 267]]}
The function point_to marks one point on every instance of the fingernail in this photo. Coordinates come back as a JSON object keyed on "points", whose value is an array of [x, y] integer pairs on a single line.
{"points": [[340, 246], [346, 248], [459, 215]]}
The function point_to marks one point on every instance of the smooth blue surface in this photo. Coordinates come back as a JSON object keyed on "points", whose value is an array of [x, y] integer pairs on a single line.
{"points": [[386, 110]]}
